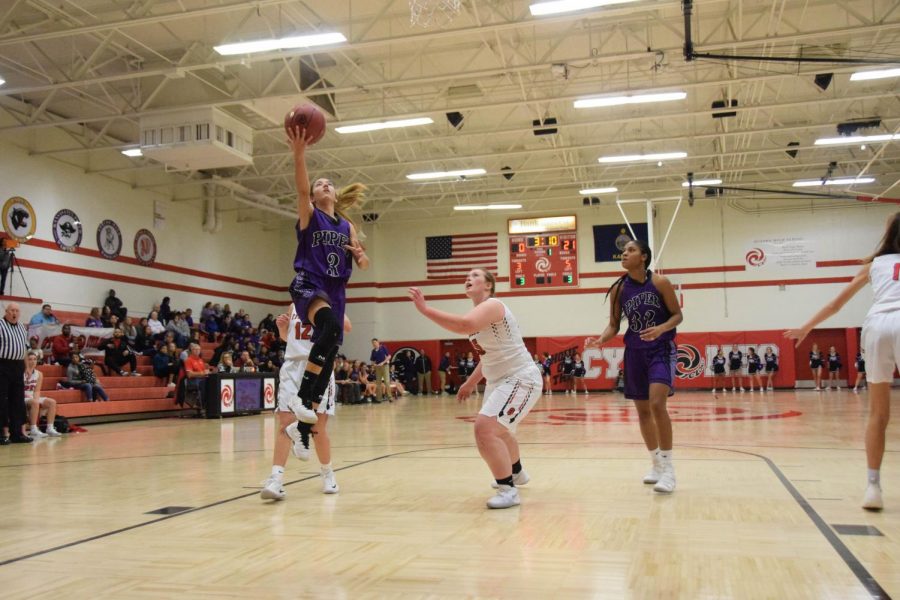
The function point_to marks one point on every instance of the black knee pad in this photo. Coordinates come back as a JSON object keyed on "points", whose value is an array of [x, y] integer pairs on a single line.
{"points": [[328, 332]]}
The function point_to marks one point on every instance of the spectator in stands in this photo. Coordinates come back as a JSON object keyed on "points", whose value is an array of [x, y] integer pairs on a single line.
{"points": [[129, 329], [34, 345], [144, 342], [180, 328], [246, 363], [113, 321], [118, 354], [165, 311], [423, 372], [217, 311], [211, 328], [224, 346], [226, 364], [93, 319], [348, 389], [226, 325], [267, 366], [268, 323], [206, 312], [45, 317], [154, 309], [409, 373], [189, 318], [115, 305], [105, 314], [155, 324], [34, 380], [165, 366], [62, 345], [80, 375]]}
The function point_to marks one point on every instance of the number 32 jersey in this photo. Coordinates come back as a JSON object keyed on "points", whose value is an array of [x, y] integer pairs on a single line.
{"points": [[643, 306], [884, 275]]}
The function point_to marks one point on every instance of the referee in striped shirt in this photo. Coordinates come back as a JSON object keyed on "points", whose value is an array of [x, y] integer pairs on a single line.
{"points": [[13, 345]]}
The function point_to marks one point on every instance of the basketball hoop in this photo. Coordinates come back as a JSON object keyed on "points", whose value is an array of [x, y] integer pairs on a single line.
{"points": [[439, 13]]}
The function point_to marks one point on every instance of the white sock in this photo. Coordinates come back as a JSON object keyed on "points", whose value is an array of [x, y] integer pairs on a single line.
{"points": [[326, 468], [277, 471], [875, 476], [665, 456]]}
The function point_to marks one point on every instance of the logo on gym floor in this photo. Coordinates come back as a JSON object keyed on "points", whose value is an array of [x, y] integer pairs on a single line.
{"points": [[624, 412], [689, 363]]}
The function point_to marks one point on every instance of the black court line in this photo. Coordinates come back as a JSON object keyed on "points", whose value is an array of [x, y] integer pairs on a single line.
{"points": [[865, 578], [107, 534]]}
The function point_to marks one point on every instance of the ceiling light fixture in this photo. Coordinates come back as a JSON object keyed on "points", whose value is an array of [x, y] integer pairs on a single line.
{"points": [[685, 184], [606, 190], [362, 127], [837, 181], [488, 207], [441, 174], [856, 139], [2, 81], [563, 6], [133, 152], [299, 41], [659, 156], [635, 99], [880, 74]]}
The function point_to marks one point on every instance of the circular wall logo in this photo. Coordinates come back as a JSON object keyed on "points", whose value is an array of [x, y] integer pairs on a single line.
{"points": [[756, 257], [145, 247], [67, 230], [109, 239], [269, 393], [689, 363], [18, 219]]}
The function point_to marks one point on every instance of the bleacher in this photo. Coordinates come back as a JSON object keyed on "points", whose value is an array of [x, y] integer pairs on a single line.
{"points": [[128, 395]]}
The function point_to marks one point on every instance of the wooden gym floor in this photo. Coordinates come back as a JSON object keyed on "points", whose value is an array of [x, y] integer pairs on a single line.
{"points": [[764, 482]]}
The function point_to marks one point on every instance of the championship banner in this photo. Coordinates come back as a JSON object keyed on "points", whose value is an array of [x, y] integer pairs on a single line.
{"points": [[693, 360], [610, 240], [88, 338]]}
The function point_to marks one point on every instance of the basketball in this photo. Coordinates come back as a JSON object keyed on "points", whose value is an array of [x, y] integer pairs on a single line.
{"points": [[306, 116]]}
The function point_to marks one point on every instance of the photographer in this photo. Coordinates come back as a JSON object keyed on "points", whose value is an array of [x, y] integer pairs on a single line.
{"points": [[6, 258]]}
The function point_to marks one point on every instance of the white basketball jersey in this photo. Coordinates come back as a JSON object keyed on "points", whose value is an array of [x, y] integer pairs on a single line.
{"points": [[884, 275], [501, 347], [30, 384], [298, 342]]}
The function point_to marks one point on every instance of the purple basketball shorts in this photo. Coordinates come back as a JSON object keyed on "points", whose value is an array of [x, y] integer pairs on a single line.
{"points": [[304, 292], [649, 365]]}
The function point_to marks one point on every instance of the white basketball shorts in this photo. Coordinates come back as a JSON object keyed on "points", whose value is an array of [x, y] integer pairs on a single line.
{"points": [[289, 384], [510, 398], [881, 344]]}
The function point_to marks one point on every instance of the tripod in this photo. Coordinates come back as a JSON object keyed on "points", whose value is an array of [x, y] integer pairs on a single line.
{"points": [[13, 264]]}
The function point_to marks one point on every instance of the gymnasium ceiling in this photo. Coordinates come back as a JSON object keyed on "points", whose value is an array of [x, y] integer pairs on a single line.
{"points": [[90, 69]]}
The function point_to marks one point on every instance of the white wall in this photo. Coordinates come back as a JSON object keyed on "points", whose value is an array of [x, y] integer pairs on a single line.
{"points": [[238, 250], [712, 233]]}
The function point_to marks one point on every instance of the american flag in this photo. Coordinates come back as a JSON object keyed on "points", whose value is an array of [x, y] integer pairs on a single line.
{"points": [[456, 255]]}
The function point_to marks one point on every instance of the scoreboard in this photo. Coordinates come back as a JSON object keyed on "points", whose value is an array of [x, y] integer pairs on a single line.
{"points": [[543, 260]]}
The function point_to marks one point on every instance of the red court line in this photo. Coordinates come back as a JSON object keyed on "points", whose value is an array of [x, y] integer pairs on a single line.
{"points": [[34, 264], [159, 266]]}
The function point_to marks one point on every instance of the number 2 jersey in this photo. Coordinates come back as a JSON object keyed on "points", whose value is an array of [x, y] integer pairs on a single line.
{"points": [[643, 306], [501, 347], [884, 274]]}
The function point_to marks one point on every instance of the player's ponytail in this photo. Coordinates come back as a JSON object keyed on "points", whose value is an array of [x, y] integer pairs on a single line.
{"points": [[890, 243], [349, 197]]}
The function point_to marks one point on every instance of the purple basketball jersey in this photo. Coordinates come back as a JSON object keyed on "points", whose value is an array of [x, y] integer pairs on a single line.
{"points": [[320, 250], [643, 306]]}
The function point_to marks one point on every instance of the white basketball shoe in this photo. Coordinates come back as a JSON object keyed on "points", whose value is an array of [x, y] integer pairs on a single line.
{"points": [[507, 497], [272, 489], [872, 500], [666, 483], [329, 484], [300, 436]]}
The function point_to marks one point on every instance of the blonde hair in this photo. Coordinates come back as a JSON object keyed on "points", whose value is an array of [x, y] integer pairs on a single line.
{"points": [[490, 277], [348, 197]]}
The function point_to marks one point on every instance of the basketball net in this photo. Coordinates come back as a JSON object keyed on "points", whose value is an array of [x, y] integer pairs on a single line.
{"points": [[439, 13]]}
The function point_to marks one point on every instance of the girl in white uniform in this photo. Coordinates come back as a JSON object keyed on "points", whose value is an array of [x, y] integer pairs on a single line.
{"points": [[513, 381], [34, 379], [880, 341], [297, 336]]}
